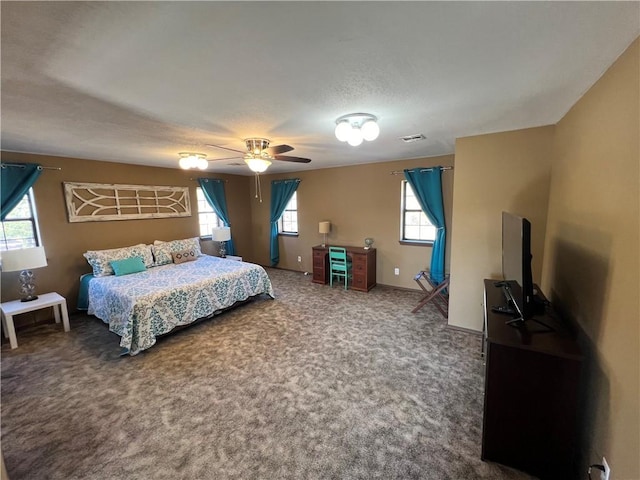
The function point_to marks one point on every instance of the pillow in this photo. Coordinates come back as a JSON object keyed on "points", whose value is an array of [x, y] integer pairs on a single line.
{"points": [[128, 265], [162, 254], [184, 256], [99, 259], [162, 250]]}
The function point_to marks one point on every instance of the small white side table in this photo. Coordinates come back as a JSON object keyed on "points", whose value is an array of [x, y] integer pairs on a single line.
{"points": [[9, 309]]}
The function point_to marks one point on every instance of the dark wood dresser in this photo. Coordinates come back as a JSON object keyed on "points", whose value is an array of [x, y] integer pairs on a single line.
{"points": [[531, 392]]}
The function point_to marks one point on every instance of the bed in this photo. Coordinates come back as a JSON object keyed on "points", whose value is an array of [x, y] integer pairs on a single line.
{"points": [[142, 306]]}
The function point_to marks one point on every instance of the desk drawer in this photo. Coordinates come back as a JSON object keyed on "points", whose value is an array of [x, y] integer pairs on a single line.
{"points": [[359, 267], [359, 281], [359, 261]]}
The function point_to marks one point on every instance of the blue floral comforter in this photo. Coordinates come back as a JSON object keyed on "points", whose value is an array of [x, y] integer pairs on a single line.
{"points": [[141, 306]]}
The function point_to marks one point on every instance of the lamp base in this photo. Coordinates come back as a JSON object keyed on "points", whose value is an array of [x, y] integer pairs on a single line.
{"points": [[223, 250], [27, 286]]}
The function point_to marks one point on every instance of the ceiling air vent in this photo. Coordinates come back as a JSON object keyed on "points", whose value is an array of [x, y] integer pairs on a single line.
{"points": [[413, 138]]}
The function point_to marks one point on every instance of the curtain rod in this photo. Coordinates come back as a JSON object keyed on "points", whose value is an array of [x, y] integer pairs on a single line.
{"points": [[207, 178], [18, 165], [400, 172]]}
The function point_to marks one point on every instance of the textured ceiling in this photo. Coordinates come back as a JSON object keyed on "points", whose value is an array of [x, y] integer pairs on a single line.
{"points": [[138, 82]]}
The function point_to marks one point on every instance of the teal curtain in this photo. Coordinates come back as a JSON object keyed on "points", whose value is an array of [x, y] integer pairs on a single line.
{"points": [[281, 193], [15, 181], [427, 185], [213, 189]]}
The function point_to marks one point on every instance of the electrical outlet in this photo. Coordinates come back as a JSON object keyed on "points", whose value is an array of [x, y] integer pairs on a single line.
{"points": [[607, 471], [299, 258], [396, 271]]}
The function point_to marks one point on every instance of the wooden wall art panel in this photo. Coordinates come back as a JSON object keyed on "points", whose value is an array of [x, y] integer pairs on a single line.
{"points": [[98, 202]]}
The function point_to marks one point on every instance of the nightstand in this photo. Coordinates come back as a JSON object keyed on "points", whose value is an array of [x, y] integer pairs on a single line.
{"points": [[15, 307]]}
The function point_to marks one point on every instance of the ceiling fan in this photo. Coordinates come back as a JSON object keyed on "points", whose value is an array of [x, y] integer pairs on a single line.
{"points": [[259, 155]]}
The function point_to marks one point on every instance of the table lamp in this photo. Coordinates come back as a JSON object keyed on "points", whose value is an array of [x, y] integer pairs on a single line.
{"points": [[23, 261], [324, 228], [222, 235]]}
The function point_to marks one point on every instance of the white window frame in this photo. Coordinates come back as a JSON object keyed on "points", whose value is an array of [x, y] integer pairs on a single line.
{"points": [[427, 231], [207, 217], [33, 218], [289, 217]]}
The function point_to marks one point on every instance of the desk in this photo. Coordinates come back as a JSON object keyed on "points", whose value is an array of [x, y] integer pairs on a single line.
{"points": [[9, 309], [363, 265]]}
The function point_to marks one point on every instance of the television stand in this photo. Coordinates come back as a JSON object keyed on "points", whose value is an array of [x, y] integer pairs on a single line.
{"points": [[531, 392], [525, 324]]}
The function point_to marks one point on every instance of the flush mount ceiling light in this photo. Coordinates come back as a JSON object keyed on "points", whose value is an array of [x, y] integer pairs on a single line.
{"points": [[193, 160], [356, 127]]}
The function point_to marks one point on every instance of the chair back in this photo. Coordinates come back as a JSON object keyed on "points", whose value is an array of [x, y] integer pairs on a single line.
{"points": [[338, 259]]}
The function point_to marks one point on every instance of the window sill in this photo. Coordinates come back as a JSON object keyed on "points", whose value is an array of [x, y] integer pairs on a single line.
{"points": [[287, 234], [416, 243]]}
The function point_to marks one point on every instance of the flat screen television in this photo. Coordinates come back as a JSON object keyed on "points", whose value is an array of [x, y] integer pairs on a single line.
{"points": [[516, 265]]}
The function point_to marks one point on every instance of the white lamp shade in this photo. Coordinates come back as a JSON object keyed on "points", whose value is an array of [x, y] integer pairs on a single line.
{"points": [[324, 227], [370, 130], [355, 137], [185, 163], [257, 165], [221, 234], [343, 129], [25, 259]]}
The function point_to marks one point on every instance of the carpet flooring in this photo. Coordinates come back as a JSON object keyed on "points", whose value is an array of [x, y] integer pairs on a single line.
{"points": [[320, 383]]}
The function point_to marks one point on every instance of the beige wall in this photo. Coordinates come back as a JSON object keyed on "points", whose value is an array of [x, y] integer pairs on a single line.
{"points": [[360, 201], [507, 171], [65, 242], [591, 267], [585, 244]]}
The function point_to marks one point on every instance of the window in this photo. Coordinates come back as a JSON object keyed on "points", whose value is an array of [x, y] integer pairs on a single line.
{"points": [[20, 228], [415, 226], [288, 223], [207, 217]]}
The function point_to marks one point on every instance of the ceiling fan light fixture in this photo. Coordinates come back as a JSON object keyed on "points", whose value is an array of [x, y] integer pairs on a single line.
{"points": [[256, 145], [257, 165], [356, 127], [189, 160]]}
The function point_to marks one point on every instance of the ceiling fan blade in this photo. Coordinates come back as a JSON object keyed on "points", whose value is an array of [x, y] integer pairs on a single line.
{"points": [[225, 158], [226, 148], [278, 149], [287, 158]]}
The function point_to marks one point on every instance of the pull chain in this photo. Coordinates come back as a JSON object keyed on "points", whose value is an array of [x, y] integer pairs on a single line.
{"points": [[258, 188]]}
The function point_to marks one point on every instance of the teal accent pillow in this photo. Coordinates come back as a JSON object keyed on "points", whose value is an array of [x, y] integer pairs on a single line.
{"points": [[128, 265]]}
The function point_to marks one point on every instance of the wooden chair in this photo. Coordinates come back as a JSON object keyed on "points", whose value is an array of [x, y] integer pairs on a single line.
{"points": [[339, 265], [435, 292]]}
